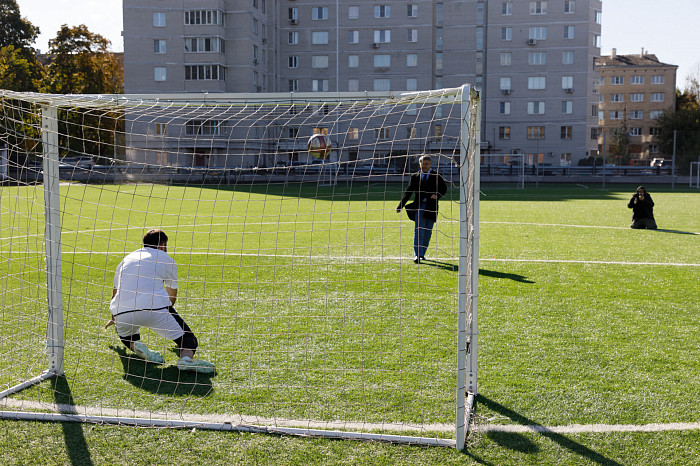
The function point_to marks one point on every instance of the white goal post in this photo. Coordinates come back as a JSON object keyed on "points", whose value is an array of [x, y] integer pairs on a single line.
{"points": [[296, 273], [694, 179]]}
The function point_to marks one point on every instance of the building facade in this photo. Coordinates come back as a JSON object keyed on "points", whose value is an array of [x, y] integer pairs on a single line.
{"points": [[634, 91], [531, 60]]}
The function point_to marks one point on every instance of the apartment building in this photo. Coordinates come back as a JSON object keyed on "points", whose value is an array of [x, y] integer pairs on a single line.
{"points": [[634, 91], [531, 60]]}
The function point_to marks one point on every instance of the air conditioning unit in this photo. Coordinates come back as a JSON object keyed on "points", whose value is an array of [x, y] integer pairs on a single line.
{"points": [[294, 21], [506, 91], [531, 42], [569, 90], [258, 88], [375, 45]]}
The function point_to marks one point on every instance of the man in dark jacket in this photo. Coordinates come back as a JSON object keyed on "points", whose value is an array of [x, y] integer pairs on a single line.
{"points": [[428, 187], [643, 210]]}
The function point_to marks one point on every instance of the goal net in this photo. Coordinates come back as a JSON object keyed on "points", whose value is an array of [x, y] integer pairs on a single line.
{"points": [[295, 273], [502, 171]]}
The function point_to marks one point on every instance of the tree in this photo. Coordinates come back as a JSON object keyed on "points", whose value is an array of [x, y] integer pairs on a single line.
{"points": [[15, 30], [81, 63], [19, 71], [686, 123]]}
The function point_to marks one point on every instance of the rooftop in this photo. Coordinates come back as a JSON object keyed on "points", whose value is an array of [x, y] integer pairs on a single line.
{"points": [[641, 59]]}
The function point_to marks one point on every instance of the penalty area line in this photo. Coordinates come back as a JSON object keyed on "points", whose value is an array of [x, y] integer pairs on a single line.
{"points": [[588, 428]]}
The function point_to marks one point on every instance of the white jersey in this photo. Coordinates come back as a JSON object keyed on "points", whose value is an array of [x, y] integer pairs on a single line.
{"points": [[140, 280]]}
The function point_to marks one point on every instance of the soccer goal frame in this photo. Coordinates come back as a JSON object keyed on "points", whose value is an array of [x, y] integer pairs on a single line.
{"points": [[694, 178], [468, 183]]}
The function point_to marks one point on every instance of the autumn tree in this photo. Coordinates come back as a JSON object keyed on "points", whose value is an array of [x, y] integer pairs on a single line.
{"points": [[19, 68]]}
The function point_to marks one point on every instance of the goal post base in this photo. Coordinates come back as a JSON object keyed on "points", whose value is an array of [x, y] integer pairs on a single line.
{"points": [[28, 383]]}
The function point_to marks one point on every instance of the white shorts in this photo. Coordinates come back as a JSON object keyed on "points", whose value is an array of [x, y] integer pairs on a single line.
{"points": [[161, 321]]}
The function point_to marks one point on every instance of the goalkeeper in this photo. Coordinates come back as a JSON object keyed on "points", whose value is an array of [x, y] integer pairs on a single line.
{"points": [[145, 290]]}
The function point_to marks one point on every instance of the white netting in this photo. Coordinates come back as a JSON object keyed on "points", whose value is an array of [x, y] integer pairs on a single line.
{"points": [[296, 273]]}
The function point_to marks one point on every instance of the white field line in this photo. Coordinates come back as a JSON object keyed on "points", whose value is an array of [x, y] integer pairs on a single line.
{"points": [[347, 425], [360, 259], [589, 428], [234, 419]]}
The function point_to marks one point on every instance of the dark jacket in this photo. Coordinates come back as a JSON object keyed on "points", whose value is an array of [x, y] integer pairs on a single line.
{"points": [[435, 184], [641, 209]]}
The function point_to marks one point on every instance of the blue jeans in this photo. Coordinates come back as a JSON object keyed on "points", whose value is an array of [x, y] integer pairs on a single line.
{"points": [[422, 232]]}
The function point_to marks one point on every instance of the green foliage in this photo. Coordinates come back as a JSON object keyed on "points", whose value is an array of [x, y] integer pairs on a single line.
{"points": [[15, 30], [685, 121], [19, 70], [81, 64]]}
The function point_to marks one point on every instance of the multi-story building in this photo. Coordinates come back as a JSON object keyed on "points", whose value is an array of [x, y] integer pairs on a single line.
{"points": [[634, 91], [531, 60]]}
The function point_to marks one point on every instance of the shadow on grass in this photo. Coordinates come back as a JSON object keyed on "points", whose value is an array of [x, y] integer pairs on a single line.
{"points": [[510, 276], [678, 232], [73, 436], [515, 442], [441, 265], [166, 380]]}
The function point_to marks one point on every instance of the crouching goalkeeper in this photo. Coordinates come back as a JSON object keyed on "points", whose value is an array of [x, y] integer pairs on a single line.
{"points": [[145, 290]]}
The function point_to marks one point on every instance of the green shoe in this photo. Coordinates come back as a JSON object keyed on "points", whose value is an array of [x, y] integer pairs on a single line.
{"points": [[196, 365], [142, 350]]}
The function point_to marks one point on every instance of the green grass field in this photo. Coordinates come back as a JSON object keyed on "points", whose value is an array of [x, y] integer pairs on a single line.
{"points": [[308, 302]]}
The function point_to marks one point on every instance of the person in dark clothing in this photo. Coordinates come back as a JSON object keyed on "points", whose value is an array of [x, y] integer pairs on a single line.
{"points": [[643, 210], [428, 187]]}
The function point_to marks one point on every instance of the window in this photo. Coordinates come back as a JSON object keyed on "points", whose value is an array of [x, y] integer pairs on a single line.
{"points": [[255, 26], [412, 35], [264, 6], [567, 57], [319, 61], [602, 80], [536, 82], [293, 14], [382, 61], [654, 131], [635, 131], [535, 132], [293, 85], [636, 115], [506, 33], [617, 80], [353, 12], [598, 17], [479, 38], [353, 61], [594, 110], [319, 37], [159, 19], [161, 129], [292, 132], [504, 108], [293, 61], [255, 3], [319, 13], [382, 36], [382, 84], [538, 8], [353, 133], [636, 97], [538, 33], [412, 59], [506, 83], [438, 63], [504, 132], [569, 6], [537, 58], [159, 46], [507, 8], [437, 132], [411, 84], [319, 85], [159, 73], [567, 82], [293, 38], [596, 40], [204, 73], [653, 149], [203, 44], [411, 132], [506, 58], [566, 132], [162, 158], [567, 107], [535, 108], [203, 127], [617, 98], [353, 37], [353, 85], [657, 96], [657, 79], [382, 133], [412, 11], [382, 11], [637, 80], [568, 32], [204, 17], [654, 114], [594, 133], [617, 115]]}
